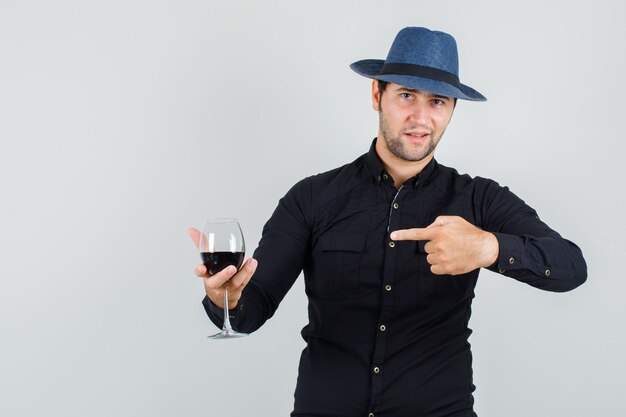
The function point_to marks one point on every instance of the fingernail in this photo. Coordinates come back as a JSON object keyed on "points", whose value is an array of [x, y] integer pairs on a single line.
{"points": [[252, 264], [231, 269], [394, 235]]}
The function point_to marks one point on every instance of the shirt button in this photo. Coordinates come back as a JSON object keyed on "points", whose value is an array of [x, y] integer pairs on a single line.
{"points": [[392, 244], [376, 370], [385, 176], [382, 327], [502, 271], [395, 205], [387, 287], [512, 261], [548, 272], [370, 415]]}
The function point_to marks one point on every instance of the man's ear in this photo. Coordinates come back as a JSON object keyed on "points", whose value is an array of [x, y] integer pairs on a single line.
{"points": [[375, 96]]}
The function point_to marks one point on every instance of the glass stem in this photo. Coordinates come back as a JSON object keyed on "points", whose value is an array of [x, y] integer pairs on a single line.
{"points": [[226, 315]]}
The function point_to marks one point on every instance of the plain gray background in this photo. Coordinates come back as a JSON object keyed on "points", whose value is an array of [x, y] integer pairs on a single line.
{"points": [[122, 123]]}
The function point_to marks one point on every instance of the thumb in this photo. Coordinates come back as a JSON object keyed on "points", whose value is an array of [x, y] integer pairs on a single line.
{"points": [[436, 223], [194, 234], [442, 220]]}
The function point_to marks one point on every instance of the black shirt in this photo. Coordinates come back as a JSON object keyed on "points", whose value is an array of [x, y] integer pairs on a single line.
{"points": [[386, 337]]}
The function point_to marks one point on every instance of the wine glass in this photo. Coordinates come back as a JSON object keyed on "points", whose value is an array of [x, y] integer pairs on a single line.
{"points": [[221, 244]]}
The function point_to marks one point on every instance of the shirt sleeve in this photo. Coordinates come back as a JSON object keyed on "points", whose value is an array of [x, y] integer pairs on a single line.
{"points": [[281, 254], [530, 251]]}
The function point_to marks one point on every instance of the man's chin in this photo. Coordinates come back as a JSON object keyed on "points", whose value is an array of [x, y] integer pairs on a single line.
{"points": [[409, 156]]}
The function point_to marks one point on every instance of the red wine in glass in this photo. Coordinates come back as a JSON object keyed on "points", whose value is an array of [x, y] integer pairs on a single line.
{"points": [[216, 261]]}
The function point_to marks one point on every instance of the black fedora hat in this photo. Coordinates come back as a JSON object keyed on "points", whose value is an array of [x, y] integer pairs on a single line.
{"points": [[423, 60]]}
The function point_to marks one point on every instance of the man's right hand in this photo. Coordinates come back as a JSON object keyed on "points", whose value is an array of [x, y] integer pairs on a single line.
{"points": [[230, 278]]}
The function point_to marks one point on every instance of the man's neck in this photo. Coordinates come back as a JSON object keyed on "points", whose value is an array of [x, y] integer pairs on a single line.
{"points": [[399, 169]]}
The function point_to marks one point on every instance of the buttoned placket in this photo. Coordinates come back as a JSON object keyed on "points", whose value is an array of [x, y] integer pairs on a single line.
{"points": [[378, 359]]}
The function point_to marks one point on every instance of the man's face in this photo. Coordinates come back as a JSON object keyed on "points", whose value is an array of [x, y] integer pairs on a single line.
{"points": [[411, 122]]}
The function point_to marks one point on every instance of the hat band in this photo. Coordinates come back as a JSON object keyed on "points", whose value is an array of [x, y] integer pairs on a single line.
{"points": [[420, 71]]}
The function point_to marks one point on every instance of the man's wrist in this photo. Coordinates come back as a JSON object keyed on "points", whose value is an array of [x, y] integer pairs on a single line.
{"points": [[491, 250]]}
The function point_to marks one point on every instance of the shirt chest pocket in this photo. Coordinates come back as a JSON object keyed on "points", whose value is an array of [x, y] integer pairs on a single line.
{"points": [[337, 264]]}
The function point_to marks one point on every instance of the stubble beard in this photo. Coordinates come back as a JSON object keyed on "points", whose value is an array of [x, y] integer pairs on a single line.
{"points": [[397, 147]]}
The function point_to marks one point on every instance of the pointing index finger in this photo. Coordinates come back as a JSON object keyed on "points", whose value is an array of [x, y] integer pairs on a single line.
{"points": [[413, 234]]}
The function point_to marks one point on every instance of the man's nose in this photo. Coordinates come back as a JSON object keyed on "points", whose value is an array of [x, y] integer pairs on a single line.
{"points": [[419, 113]]}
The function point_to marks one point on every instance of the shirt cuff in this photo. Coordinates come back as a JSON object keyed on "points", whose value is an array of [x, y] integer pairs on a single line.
{"points": [[510, 256]]}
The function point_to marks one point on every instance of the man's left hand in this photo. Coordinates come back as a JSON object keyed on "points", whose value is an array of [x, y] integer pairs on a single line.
{"points": [[454, 245]]}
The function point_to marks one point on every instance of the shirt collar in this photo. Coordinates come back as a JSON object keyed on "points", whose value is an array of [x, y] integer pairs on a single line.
{"points": [[378, 170]]}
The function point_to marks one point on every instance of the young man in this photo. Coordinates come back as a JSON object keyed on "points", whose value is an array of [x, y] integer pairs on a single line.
{"points": [[391, 246]]}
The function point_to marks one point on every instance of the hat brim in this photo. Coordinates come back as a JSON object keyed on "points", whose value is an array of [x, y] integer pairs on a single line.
{"points": [[370, 68]]}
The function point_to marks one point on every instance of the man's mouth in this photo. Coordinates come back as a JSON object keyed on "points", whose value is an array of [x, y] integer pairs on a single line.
{"points": [[417, 136]]}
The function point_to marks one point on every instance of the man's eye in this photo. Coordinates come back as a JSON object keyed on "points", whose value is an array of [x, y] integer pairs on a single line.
{"points": [[406, 96], [438, 102]]}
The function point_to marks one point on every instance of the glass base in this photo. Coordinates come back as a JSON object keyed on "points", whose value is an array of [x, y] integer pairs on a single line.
{"points": [[227, 334]]}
